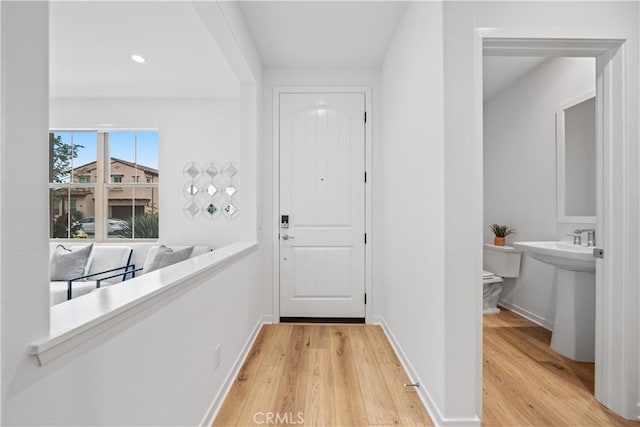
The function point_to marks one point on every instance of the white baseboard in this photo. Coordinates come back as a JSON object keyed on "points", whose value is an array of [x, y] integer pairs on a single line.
{"points": [[538, 320], [423, 392], [211, 414]]}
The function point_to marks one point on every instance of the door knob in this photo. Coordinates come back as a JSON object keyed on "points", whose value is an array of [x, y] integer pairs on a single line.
{"points": [[285, 237]]}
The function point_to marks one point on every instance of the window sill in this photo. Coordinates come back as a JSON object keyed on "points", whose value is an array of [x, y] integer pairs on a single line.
{"points": [[81, 319]]}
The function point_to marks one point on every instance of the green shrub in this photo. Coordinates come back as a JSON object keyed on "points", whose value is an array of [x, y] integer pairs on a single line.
{"points": [[145, 226]]}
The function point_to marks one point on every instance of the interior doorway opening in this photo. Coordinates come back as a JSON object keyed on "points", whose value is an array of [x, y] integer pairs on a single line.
{"points": [[610, 384]]}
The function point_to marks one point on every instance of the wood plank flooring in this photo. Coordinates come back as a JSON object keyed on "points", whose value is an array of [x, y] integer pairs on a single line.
{"points": [[348, 375], [525, 383], [334, 375]]}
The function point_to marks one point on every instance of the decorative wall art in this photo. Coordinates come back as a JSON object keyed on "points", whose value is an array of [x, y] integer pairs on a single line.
{"points": [[211, 190]]}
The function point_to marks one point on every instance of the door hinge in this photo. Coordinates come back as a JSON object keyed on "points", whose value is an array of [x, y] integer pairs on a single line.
{"points": [[365, 298], [365, 238], [365, 176], [365, 117]]}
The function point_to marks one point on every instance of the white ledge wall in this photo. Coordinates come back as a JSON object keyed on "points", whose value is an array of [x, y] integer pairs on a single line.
{"points": [[80, 320], [155, 368]]}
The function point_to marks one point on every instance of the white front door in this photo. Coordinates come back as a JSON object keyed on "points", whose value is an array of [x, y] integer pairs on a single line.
{"points": [[322, 195]]}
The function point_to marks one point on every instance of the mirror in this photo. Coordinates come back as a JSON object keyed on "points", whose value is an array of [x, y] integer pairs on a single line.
{"points": [[576, 160]]}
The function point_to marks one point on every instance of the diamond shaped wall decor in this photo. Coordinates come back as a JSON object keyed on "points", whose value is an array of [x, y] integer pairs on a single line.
{"points": [[191, 171], [191, 190], [230, 190], [229, 170], [211, 170], [191, 210], [230, 210]]}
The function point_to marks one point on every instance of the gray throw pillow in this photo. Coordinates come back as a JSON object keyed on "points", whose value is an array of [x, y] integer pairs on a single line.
{"points": [[67, 264], [167, 256]]}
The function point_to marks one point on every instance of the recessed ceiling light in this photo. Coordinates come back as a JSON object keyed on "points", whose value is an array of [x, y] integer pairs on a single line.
{"points": [[139, 59]]}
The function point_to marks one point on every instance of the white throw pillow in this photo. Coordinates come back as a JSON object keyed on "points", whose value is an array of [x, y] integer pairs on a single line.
{"points": [[67, 264], [152, 252], [165, 257]]}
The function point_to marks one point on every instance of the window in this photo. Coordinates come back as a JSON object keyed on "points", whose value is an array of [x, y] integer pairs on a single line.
{"points": [[107, 206]]}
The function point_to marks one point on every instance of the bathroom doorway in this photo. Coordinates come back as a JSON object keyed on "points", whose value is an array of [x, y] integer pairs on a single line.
{"points": [[609, 204]]}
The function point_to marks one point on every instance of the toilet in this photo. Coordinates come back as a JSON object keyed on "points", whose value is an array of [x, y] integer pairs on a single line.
{"points": [[498, 263]]}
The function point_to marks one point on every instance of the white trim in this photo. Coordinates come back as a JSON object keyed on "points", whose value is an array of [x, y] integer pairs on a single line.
{"points": [[79, 320], [224, 390], [276, 206], [102, 127], [521, 42], [366, 90], [102, 184], [577, 100], [423, 392], [561, 164], [538, 320], [2, 138]]}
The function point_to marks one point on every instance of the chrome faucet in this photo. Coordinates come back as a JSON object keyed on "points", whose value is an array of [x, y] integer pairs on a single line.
{"points": [[577, 238], [591, 236]]}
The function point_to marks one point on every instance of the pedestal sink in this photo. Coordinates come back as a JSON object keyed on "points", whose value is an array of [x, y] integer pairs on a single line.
{"points": [[574, 325]]}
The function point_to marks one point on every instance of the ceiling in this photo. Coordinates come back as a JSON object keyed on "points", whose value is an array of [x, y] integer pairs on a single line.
{"points": [[322, 34], [499, 72], [91, 44]]}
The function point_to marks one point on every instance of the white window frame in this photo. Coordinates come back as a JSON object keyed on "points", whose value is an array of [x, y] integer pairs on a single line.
{"points": [[103, 185]]}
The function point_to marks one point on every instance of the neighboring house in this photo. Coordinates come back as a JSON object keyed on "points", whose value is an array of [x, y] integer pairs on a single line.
{"points": [[120, 199]]}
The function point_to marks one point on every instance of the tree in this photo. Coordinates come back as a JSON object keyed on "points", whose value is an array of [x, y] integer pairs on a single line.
{"points": [[61, 157], [60, 226]]}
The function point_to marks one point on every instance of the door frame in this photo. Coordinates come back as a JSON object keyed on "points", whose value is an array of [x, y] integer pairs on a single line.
{"points": [[615, 275], [277, 91]]}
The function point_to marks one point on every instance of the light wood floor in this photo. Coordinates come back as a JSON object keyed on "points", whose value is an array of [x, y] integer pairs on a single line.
{"points": [[528, 384], [348, 375], [335, 375]]}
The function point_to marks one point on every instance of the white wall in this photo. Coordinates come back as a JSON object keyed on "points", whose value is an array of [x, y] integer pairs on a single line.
{"points": [[463, 193], [408, 187], [613, 20], [156, 367], [520, 172], [23, 202], [190, 130]]}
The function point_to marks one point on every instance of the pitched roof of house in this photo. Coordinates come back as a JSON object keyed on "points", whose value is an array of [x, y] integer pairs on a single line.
{"points": [[143, 168]]}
